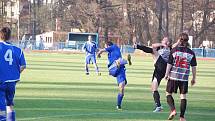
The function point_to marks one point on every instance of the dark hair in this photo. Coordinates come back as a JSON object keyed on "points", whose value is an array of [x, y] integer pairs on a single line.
{"points": [[184, 39], [5, 33], [109, 43], [170, 42]]}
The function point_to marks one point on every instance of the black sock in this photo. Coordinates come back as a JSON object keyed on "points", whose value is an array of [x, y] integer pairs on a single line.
{"points": [[156, 96], [145, 49], [183, 107], [129, 59], [170, 101]]}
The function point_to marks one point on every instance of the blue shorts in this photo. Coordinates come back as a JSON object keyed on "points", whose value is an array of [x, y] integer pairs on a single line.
{"points": [[7, 90], [90, 58], [121, 76]]}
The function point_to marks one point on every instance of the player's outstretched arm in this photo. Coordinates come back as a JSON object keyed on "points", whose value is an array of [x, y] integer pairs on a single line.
{"points": [[22, 62], [144, 48], [193, 81], [141, 47], [156, 45], [100, 52]]}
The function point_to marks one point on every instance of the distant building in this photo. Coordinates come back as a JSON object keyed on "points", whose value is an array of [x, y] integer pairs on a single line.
{"points": [[10, 13], [12, 9], [51, 40], [207, 44]]}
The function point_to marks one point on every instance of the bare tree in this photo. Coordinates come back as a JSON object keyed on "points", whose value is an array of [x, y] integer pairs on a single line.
{"points": [[160, 15], [167, 17], [204, 23], [151, 19], [182, 16]]}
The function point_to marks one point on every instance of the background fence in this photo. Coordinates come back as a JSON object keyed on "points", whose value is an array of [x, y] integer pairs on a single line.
{"points": [[204, 52], [62, 46]]}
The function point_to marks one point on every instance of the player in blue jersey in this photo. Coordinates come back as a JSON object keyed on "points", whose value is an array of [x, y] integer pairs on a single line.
{"points": [[90, 48], [12, 63], [116, 68]]}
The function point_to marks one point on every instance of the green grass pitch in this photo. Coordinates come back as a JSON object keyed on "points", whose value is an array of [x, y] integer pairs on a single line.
{"points": [[55, 88]]}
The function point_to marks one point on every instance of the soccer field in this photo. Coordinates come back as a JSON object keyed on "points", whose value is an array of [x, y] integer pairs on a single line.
{"points": [[55, 88]]}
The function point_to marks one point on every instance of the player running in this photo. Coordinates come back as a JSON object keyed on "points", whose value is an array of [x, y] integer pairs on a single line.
{"points": [[177, 74], [12, 63], [116, 68], [90, 48], [160, 52]]}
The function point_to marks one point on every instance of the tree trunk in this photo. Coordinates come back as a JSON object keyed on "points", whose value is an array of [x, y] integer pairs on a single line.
{"points": [[34, 21], [127, 21], [3, 5], [106, 28], [167, 17], [146, 24], [202, 31], [52, 18], [182, 16], [160, 11], [203, 35], [106, 33], [176, 24], [11, 20]]}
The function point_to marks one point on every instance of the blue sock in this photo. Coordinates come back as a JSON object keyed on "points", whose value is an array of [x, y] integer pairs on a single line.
{"points": [[119, 99], [11, 116]]}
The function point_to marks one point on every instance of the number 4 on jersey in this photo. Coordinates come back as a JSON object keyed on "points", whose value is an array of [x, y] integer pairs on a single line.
{"points": [[8, 56]]}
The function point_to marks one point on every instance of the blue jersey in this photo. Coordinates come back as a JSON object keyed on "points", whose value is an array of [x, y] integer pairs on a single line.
{"points": [[90, 48], [11, 59], [113, 53]]}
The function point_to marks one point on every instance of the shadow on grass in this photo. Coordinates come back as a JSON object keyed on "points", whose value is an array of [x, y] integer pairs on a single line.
{"points": [[78, 85], [83, 109], [100, 109], [78, 70]]}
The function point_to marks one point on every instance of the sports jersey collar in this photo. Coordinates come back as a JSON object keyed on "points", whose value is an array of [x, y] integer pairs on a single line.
{"points": [[6, 43], [181, 46]]}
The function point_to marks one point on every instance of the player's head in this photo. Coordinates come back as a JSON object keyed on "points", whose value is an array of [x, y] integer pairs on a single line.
{"points": [[5, 34], [184, 39], [90, 38], [166, 41], [108, 43]]}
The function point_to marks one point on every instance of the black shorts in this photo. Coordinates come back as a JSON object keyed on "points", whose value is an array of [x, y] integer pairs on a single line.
{"points": [[160, 70], [173, 85]]}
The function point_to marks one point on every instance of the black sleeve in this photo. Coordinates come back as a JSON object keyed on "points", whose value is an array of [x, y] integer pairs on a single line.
{"points": [[193, 61], [171, 59], [159, 48], [145, 48]]}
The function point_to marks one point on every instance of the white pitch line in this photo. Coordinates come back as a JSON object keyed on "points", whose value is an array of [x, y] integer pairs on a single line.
{"points": [[114, 113]]}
